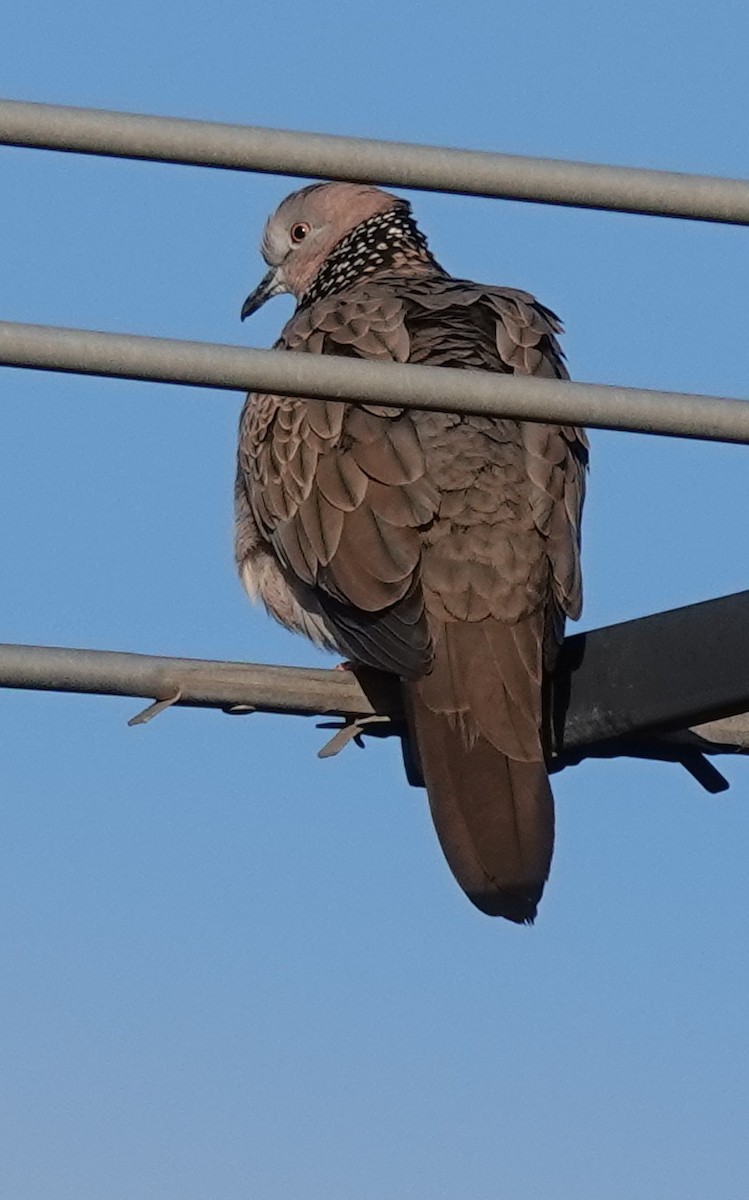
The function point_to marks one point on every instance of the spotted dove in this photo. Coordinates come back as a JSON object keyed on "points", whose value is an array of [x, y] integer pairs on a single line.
{"points": [[442, 548]]}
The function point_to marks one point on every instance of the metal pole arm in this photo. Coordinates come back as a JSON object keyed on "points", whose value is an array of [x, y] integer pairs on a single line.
{"points": [[665, 686]]}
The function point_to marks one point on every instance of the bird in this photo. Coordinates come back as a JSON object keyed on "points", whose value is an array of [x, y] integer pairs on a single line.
{"points": [[442, 548]]}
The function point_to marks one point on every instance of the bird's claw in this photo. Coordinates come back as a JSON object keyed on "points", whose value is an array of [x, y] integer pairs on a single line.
{"points": [[349, 731]]}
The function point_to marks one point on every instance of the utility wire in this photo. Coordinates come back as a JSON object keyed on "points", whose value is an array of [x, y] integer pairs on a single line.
{"points": [[400, 164], [447, 389], [199, 682]]}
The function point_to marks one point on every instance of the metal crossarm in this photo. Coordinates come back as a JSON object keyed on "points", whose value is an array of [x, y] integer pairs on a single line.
{"points": [[665, 686], [671, 670]]}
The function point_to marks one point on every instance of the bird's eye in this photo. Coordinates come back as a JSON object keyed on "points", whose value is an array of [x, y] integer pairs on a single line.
{"points": [[299, 231]]}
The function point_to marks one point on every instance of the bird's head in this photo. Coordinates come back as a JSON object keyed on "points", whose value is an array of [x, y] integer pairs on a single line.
{"points": [[306, 227]]}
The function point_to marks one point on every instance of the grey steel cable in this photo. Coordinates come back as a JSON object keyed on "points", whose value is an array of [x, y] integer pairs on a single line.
{"points": [[205, 364], [400, 164], [199, 682]]}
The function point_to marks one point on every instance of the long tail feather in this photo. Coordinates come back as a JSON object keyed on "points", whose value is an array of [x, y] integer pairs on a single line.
{"points": [[490, 799]]}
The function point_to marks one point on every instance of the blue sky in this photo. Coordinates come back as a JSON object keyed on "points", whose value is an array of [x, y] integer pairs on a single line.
{"points": [[230, 969]]}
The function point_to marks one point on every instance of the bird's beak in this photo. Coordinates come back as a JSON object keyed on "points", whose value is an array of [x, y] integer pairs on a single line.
{"points": [[271, 284]]}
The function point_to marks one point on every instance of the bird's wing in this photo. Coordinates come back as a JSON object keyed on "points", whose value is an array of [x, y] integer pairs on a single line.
{"points": [[504, 329], [340, 491]]}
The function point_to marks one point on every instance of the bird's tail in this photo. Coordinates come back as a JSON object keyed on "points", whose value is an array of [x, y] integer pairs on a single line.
{"points": [[475, 725]]}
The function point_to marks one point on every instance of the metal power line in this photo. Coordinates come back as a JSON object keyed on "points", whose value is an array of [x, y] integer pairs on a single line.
{"points": [[198, 683], [436, 168], [235, 368]]}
